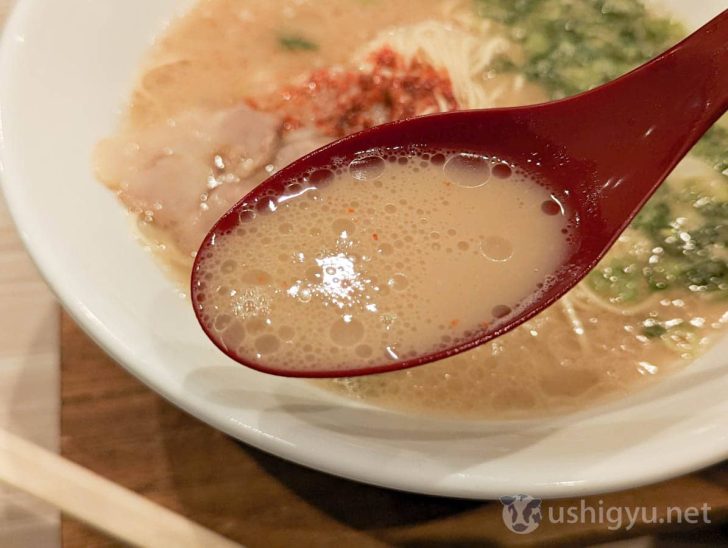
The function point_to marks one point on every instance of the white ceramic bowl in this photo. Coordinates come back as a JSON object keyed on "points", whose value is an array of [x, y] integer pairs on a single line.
{"points": [[66, 67]]}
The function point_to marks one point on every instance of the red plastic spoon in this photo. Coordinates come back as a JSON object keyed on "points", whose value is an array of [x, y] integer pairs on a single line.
{"points": [[607, 150]]}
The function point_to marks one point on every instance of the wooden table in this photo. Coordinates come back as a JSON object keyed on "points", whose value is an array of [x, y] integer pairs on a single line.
{"points": [[29, 383], [29, 377], [115, 426]]}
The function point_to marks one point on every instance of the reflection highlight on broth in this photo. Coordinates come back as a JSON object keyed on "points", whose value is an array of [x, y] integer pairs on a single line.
{"points": [[392, 257], [235, 90]]}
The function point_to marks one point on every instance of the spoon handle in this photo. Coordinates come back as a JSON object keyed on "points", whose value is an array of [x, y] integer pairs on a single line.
{"points": [[633, 131], [705, 53]]}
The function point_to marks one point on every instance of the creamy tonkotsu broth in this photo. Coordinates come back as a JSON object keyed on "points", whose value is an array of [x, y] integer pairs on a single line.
{"points": [[236, 89], [392, 257]]}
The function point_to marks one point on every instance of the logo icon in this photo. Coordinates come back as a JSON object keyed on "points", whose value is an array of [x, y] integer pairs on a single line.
{"points": [[521, 513]]}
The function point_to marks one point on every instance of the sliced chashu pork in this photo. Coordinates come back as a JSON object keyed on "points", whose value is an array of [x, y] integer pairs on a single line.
{"points": [[183, 175]]}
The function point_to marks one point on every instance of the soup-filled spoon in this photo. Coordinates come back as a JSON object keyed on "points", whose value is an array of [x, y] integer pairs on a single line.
{"points": [[415, 240]]}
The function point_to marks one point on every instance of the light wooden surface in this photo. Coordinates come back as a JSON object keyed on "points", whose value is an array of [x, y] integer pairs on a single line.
{"points": [[29, 377], [29, 395], [107, 506]]}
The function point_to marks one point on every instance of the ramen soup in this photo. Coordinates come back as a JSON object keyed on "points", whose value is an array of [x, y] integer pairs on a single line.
{"points": [[236, 89], [390, 258]]}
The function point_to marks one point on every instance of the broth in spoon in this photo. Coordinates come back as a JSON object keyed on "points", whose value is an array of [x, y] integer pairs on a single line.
{"points": [[391, 257]]}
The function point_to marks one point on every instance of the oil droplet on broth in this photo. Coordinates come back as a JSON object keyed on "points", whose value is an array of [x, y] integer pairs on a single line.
{"points": [[496, 248], [384, 259]]}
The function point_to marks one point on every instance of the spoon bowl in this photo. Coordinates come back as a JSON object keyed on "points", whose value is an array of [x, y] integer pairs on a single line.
{"points": [[603, 153]]}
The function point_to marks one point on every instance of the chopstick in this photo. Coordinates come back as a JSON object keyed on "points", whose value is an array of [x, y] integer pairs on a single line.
{"points": [[99, 502]]}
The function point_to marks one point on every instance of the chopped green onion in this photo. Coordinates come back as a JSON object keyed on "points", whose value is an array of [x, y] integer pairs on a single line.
{"points": [[296, 43]]}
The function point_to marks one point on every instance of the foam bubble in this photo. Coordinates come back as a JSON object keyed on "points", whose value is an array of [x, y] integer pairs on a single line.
{"points": [[385, 249], [287, 333], [467, 170], [551, 207], [267, 344], [502, 171], [233, 336], [367, 168], [255, 277], [501, 311], [346, 331], [398, 282], [343, 228], [222, 321]]}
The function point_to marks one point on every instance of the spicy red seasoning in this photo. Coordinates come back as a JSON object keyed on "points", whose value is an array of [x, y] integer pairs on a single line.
{"points": [[341, 101]]}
